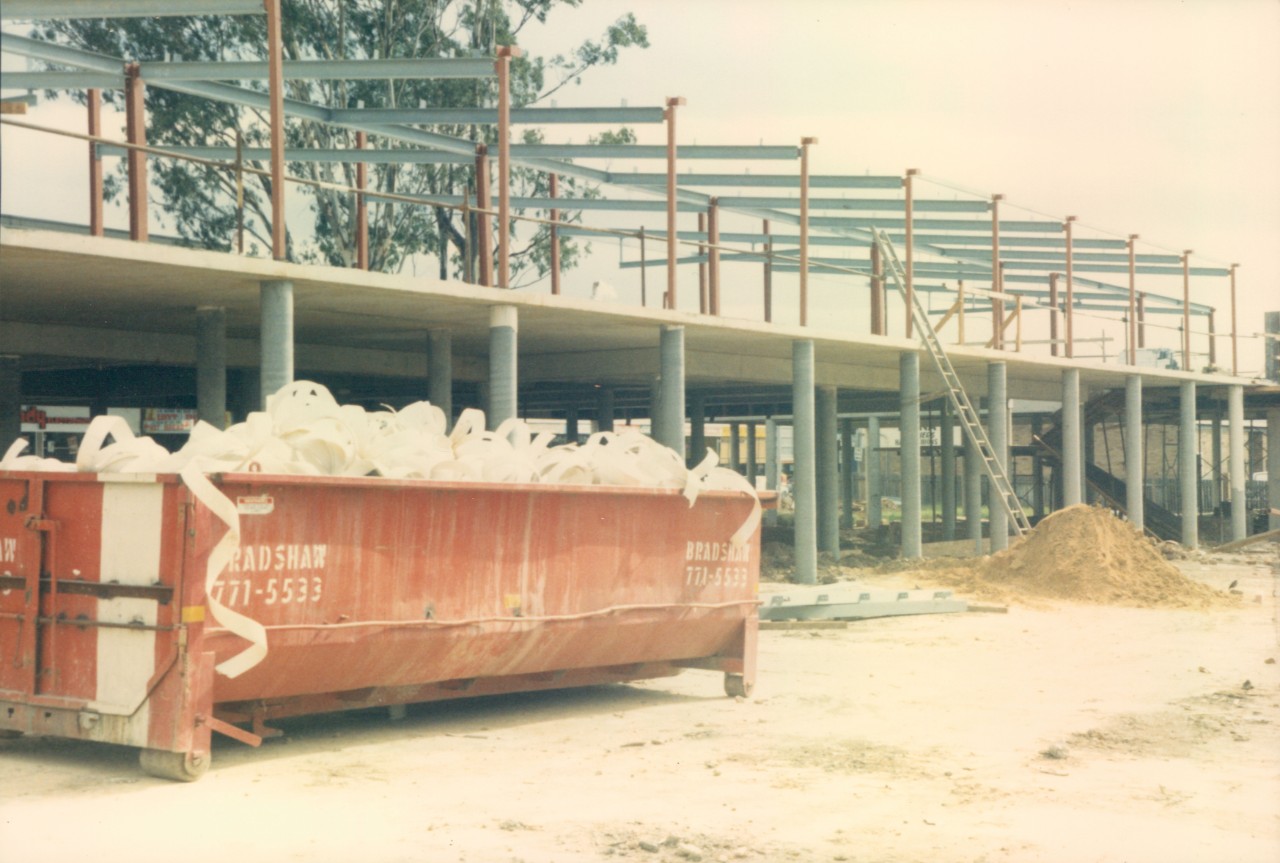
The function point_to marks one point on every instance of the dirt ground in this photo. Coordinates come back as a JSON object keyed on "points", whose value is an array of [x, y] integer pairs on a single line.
{"points": [[1055, 732]]}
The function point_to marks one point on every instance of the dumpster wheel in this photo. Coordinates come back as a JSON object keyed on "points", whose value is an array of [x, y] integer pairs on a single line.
{"points": [[736, 686], [179, 766]]}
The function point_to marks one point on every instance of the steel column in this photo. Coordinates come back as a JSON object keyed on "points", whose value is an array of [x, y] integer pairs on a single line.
{"points": [[136, 160], [828, 470], [1215, 451], [211, 365], [669, 302], [1142, 320], [1273, 467], [10, 400], [871, 458], [553, 183], [1071, 287], [362, 207], [1134, 459], [848, 474], [947, 435], [440, 372], [276, 336], [1188, 475], [1072, 440], [753, 466], [94, 106], [997, 281], [669, 428], [911, 258], [735, 447], [1133, 302], [804, 229], [909, 448], [1235, 352], [275, 89], [484, 218], [503, 67], [877, 292], [1235, 445], [1053, 314], [1037, 470], [503, 365], [704, 302], [973, 493], [1186, 310], [804, 475], [998, 427], [768, 275], [713, 255], [571, 423]]}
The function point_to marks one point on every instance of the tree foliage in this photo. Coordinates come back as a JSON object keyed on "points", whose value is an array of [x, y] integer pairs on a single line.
{"points": [[202, 201]]}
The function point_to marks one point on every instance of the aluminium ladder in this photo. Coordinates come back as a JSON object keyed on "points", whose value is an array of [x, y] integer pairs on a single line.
{"points": [[1000, 485]]}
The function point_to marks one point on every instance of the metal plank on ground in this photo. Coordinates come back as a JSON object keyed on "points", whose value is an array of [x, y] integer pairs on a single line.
{"points": [[834, 602]]}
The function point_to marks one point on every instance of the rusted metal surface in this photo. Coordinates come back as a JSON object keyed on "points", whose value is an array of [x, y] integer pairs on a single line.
{"points": [[371, 592]]}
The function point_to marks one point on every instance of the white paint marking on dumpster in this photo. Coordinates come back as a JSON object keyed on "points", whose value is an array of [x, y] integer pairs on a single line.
{"points": [[132, 515]]}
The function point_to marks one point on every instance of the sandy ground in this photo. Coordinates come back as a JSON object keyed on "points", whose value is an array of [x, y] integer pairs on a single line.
{"points": [[901, 739]]}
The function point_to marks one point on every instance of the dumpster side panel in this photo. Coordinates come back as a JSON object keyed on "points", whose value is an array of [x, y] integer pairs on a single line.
{"points": [[20, 551], [364, 586]]}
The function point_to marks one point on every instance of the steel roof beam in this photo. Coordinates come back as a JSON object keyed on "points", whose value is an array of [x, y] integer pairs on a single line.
{"points": [[1060, 257], [1112, 268], [322, 70], [780, 181], [872, 204], [48, 9], [489, 116], [658, 151], [1022, 242], [932, 224], [62, 80]]}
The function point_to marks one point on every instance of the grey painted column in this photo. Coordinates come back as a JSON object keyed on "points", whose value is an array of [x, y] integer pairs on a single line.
{"points": [[1273, 467], [828, 461], [909, 395], [973, 493], [1072, 451], [1037, 471], [276, 335], [440, 372], [871, 458], [848, 474], [604, 410], [735, 446], [1134, 459], [753, 467], [802, 440], [1235, 450], [998, 428], [669, 422], [1215, 450], [571, 423], [697, 428], [1188, 480], [211, 365], [948, 437], [10, 400], [503, 368], [771, 465]]}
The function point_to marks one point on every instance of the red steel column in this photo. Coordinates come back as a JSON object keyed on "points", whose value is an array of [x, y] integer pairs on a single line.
{"points": [[804, 229], [669, 301], [362, 208], [95, 163], [911, 251], [275, 83], [703, 301], [1186, 310], [503, 65], [1133, 303], [713, 255], [484, 219], [135, 124], [997, 275], [1071, 285], [555, 236], [768, 275], [1235, 356]]}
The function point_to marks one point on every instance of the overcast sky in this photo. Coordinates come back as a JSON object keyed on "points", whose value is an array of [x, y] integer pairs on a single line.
{"points": [[1155, 117]]}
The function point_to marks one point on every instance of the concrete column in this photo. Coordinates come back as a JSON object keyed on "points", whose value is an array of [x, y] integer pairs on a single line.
{"points": [[1188, 480], [571, 423], [1215, 453], [848, 474], [503, 368], [697, 428], [771, 465], [998, 428], [10, 400], [1134, 460], [604, 409], [753, 467], [947, 439], [828, 467], [440, 372], [735, 446], [871, 458], [276, 335], [909, 395], [1037, 471], [1072, 451], [669, 419], [973, 493], [1235, 449], [211, 365], [803, 489], [1273, 467]]}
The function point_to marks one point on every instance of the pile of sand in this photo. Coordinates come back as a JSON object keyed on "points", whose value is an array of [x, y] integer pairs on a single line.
{"points": [[1086, 554]]}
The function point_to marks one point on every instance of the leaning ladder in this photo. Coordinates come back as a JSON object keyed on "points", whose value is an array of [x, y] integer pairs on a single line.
{"points": [[1000, 485]]}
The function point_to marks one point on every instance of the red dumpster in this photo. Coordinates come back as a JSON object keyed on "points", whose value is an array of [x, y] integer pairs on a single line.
{"points": [[114, 623]]}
